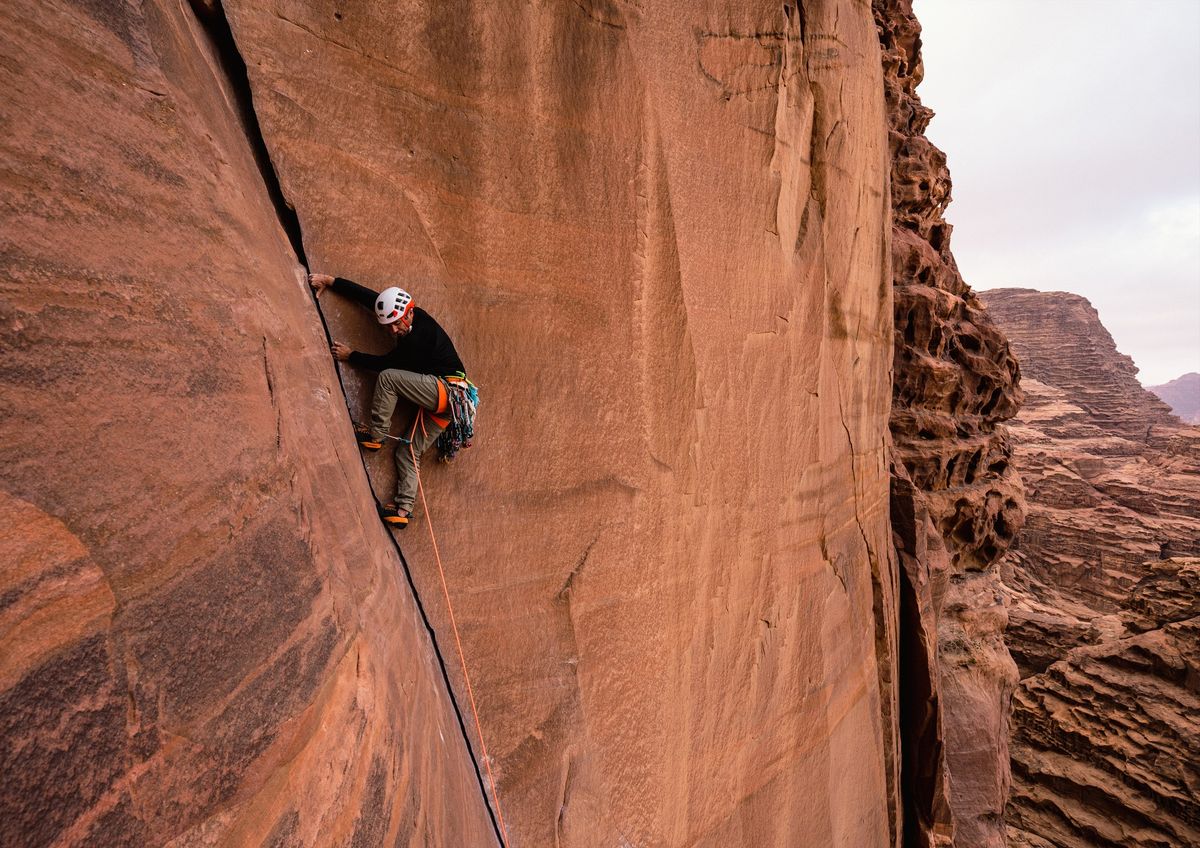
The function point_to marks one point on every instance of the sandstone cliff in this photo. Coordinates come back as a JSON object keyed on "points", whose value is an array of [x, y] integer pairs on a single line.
{"points": [[660, 234], [1103, 591], [669, 545], [956, 499], [205, 636]]}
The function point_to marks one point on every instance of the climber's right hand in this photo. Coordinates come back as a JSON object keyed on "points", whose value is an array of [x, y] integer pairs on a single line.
{"points": [[319, 282], [340, 351]]}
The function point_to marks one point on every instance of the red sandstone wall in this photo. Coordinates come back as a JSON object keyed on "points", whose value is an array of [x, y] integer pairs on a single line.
{"points": [[660, 235], [205, 637]]}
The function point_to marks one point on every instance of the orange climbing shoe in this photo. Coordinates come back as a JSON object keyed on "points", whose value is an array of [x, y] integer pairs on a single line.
{"points": [[366, 441], [394, 516]]}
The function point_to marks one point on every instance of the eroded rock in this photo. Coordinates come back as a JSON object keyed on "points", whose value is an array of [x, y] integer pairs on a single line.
{"points": [[956, 500], [1102, 591]]}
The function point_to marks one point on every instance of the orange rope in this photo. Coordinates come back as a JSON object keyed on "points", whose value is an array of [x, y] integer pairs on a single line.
{"points": [[487, 763]]}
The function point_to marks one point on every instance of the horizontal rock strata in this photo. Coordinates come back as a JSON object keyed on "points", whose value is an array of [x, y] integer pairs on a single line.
{"points": [[1102, 591], [1106, 741]]}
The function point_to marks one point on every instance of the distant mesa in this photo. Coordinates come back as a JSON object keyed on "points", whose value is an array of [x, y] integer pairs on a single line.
{"points": [[1102, 590], [1183, 396]]}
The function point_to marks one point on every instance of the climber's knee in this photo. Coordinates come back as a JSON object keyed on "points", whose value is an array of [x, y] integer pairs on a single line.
{"points": [[389, 378]]}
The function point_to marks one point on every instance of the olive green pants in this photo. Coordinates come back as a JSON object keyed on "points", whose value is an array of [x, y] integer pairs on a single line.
{"points": [[422, 391]]}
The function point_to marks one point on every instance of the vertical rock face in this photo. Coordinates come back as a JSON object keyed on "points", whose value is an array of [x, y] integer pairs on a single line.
{"points": [[659, 234], [205, 638], [1103, 591], [956, 500]]}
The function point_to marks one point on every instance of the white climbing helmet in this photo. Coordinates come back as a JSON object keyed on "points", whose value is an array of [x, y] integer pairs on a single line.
{"points": [[392, 305]]}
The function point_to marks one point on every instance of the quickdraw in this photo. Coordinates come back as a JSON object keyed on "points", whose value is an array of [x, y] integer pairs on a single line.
{"points": [[463, 396]]}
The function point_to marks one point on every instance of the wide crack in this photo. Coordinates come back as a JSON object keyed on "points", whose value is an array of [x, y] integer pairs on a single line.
{"points": [[212, 18]]}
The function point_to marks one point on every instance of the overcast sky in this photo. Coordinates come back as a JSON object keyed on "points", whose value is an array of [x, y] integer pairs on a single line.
{"points": [[1072, 129]]}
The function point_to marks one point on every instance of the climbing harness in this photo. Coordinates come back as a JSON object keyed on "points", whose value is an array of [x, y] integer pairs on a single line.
{"points": [[487, 761], [463, 397]]}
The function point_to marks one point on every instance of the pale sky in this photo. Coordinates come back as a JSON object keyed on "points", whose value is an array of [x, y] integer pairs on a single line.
{"points": [[1072, 130]]}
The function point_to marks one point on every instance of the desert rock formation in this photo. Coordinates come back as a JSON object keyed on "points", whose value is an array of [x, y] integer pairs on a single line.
{"points": [[1183, 396], [660, 234], [669, 546], [956, 500], [1104, 591], [205, 636]]}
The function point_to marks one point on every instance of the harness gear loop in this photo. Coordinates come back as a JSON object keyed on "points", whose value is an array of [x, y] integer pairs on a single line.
{"points": [[487, 762], [463, 397]]}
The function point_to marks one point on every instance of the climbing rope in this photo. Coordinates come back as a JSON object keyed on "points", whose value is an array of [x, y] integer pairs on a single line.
{"points": [[487, 761]]}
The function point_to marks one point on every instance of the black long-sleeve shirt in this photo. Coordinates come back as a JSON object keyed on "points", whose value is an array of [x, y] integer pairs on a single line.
{"points": [[425, 349]]}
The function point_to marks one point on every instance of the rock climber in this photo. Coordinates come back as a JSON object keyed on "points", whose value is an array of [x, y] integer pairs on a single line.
{"points": [[419, 369]]}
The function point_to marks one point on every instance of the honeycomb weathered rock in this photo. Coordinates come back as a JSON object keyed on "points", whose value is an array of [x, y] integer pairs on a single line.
{"points": [[956, 500]]}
